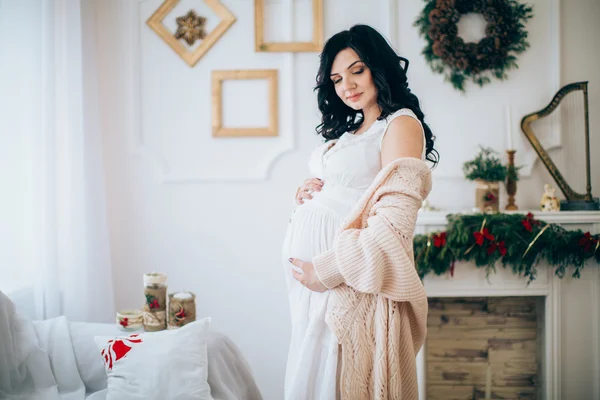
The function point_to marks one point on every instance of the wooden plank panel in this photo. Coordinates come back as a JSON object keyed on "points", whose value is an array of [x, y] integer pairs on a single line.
{"points": [[435, 333], [501, 346], [513, 393], [504, 306], [440, 392], [470, 392], [512, 305], [463, 305], [466, 335], [452, 322], [457, 350], [456, 373], [515, 374]]}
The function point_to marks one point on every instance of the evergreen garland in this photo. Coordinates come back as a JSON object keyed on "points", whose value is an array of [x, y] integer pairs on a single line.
{"points": [[518, 241]]}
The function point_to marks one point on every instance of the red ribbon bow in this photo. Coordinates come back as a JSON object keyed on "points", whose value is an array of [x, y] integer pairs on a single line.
{"points": [[588, 242], [481, 236], [497, 245], [528, 222], [439, 240]]}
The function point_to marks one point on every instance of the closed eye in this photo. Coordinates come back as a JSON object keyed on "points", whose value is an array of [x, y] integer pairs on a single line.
{"points": [[357, 72]]}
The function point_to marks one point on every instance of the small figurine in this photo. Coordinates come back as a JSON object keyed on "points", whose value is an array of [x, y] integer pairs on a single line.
{"points": [[428, 207], [549, 202]]}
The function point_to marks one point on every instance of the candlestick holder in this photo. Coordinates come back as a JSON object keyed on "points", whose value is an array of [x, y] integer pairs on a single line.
{"points": [[511, 181]]}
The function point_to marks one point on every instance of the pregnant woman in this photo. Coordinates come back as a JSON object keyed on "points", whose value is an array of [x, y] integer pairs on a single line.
{"points": [[351, 288]]}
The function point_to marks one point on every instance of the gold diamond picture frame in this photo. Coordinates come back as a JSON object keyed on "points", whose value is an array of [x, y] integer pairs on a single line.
{"points": [[316, 45], [191, 57], [218, 130]]}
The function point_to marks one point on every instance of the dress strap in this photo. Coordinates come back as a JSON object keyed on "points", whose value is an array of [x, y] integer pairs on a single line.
{"points": [[409, 113]]}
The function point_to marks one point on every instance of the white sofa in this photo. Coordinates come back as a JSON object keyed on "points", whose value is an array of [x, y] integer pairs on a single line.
{"points": [[59, 360]]}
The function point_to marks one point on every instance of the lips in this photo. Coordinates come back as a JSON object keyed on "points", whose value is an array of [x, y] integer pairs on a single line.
{"points": [[354, 97]]}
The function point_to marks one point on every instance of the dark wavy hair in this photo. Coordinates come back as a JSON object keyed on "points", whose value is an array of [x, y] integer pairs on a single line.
{"points": [[389, 77]]}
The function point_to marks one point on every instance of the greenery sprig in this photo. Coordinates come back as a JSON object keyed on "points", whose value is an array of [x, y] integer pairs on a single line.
{"points": [[486, 166]]}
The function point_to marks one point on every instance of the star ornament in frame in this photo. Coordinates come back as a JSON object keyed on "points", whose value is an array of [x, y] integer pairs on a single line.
{"points": [[191, 28]]}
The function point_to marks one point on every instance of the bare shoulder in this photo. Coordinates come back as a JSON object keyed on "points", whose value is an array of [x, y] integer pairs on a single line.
{"points": [[404, 138]]}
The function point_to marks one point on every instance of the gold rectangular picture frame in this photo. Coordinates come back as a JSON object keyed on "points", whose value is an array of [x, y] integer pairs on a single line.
{"points": [[316, 45], [218, 130]]}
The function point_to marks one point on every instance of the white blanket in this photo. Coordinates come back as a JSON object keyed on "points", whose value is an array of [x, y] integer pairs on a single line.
{"points": [[37, 361], [57, 360]]}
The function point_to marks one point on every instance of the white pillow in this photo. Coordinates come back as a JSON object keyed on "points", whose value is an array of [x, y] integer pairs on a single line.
{"points": [[170, 364]]}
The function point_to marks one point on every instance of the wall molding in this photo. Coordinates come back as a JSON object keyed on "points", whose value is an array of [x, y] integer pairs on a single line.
{"points": [[556, 139], [393, 23], [165, 170]]}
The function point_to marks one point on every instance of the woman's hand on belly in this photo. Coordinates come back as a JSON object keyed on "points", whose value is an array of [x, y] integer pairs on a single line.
{"points": [[309, 186], [308, 277]]}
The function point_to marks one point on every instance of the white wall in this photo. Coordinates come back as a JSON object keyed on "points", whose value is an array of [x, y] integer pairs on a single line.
{"points": [[221, 237], [579, 60], [580, 34]]}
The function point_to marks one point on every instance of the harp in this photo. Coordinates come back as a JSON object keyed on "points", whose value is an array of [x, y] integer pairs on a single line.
{"points": [[573, 200]]}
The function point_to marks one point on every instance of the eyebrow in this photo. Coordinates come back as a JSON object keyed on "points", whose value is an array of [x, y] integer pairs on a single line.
{"points": [[349, 66]]}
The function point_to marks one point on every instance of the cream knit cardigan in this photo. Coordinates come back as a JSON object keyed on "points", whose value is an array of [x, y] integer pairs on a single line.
{"points": [[378, 306]]}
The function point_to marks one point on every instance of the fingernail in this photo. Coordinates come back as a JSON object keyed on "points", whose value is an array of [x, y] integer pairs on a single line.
{"points": [[289, 259]]}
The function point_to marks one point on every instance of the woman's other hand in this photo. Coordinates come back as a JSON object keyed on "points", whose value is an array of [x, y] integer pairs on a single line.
{"points": [[308, 277], [308, 187]]}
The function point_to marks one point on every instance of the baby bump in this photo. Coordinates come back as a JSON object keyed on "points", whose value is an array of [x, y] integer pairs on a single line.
{"points": [[311, 231]]}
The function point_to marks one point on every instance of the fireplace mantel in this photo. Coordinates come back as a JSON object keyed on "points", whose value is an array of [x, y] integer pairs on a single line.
{"points": [[571, 365], [437, 219]]}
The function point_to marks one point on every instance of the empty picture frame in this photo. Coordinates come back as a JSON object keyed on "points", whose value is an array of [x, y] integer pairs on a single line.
{"points": [[316, 45], [191, 57], [218, 130]]}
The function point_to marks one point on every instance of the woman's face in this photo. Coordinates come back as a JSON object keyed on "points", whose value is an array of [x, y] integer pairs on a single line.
{"points": [[352, 80]]}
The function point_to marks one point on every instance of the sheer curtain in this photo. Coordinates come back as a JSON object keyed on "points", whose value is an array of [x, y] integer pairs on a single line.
{"points": [[56, 256]]}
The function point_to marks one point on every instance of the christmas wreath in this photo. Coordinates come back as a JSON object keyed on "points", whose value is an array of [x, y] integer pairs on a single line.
{"points": [[492, 56], [518, 241]]}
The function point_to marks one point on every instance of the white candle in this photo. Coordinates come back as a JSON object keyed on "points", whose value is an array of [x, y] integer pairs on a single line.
{"points": [[488, 383], [182, 296], [509, 129]]}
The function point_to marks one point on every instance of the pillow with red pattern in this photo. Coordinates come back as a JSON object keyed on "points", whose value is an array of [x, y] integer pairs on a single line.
{"points": [[170, 364]]}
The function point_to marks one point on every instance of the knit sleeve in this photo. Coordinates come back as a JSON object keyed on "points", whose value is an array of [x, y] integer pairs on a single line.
{"points": [[379, 258]]}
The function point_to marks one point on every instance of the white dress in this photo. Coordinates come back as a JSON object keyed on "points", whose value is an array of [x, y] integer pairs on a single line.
{"points": [[347, 170]]}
